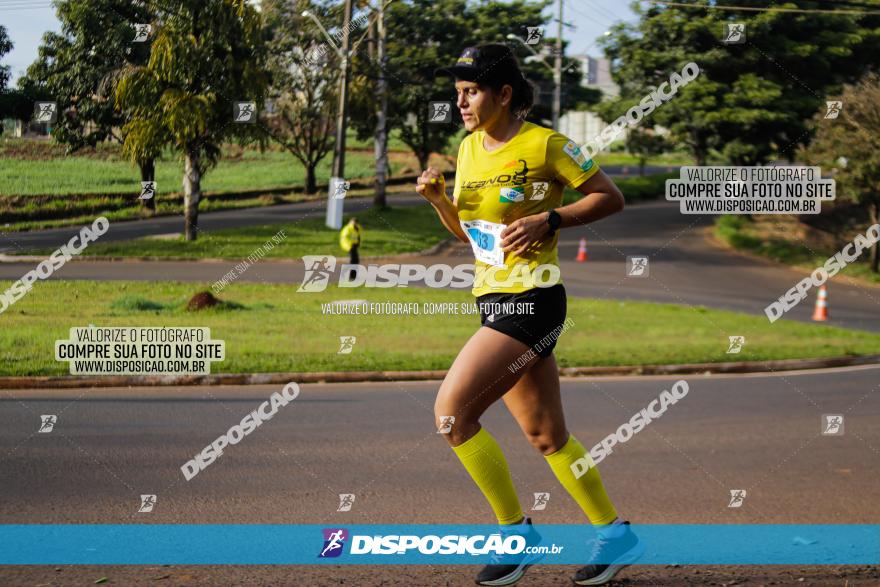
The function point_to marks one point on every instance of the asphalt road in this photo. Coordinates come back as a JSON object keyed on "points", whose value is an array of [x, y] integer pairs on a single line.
{"points": [[755, 432], [16, 243], [758, 432], [685, 266]]}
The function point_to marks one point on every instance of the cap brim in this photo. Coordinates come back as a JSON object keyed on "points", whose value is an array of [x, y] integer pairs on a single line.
{"points": [[468, 74]]}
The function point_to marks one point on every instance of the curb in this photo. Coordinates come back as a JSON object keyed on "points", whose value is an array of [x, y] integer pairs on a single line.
{"points": [[433, 250], [362, 183], [441, 247], [44, 382]]}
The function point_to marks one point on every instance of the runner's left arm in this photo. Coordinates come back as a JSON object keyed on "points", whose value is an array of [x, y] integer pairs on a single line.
{"points": [[601, 198], [571, 168]]}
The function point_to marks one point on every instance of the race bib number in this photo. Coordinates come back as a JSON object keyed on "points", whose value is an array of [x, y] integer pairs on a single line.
{"points": [[485, 240]]}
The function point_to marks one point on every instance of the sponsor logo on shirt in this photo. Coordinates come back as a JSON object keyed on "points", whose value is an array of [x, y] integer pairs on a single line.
{"points": [[514, 178], [520, 176], [539, 190], [572, 150], [509, 195]]}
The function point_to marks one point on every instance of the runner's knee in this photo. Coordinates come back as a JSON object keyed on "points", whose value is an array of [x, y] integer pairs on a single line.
{"points": [[456, 430], [456, 423], [546, 441]]}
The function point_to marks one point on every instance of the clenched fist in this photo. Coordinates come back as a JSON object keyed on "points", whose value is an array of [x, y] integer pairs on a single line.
{"points": [[431, 185]]}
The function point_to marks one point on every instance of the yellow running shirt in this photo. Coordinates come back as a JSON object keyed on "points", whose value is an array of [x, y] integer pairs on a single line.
{"points": [[493, 188]]}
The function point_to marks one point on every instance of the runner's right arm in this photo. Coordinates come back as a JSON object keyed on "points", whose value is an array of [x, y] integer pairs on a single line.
{"points": [[432, 186]]}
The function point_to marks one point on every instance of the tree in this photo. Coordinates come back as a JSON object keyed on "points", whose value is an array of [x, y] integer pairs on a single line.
{"points": [[752, 101], [378, 53], [19, 103], [850, 144], [426, 34], [206, 56], [493, 21], [6, 106], [78, 68], [305, 81], [422, 35], [644, 143], [16, 104], [5, 47]]}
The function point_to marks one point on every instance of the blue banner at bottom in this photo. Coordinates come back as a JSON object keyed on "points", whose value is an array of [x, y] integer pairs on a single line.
{"points": [[142, 544]]}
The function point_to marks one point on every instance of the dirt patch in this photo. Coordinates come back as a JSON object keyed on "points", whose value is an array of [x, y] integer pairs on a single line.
{"points": [[45, 149], [410, 165], [433, 575], [788, 228], [830, 230], [200, 301]]}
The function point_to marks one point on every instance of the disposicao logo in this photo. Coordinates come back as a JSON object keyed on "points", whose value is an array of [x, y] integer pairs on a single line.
{"points": [[319, 269], [433, 544], [334, 540]]}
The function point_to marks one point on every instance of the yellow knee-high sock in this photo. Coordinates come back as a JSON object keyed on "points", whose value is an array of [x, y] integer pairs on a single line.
{"points": [[484, 461], [587, 491]]}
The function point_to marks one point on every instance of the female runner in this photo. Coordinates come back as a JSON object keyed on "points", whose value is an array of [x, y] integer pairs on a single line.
{"points": [[507, 203]]}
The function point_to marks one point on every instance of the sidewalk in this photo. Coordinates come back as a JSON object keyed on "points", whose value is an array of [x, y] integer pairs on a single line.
{"points": [[42, 382]]}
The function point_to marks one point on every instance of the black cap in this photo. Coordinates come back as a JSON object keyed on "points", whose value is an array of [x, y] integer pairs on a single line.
{"points": [[485, 63]]}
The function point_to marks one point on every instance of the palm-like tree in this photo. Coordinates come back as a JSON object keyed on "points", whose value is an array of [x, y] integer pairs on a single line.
{"points": [[206, 55]]}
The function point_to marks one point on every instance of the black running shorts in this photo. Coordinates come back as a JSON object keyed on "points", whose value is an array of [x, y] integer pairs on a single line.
{"points": [[534, 317]]}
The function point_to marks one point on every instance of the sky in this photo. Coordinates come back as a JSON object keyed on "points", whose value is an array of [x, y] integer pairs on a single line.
{"points": [[27, 20]]}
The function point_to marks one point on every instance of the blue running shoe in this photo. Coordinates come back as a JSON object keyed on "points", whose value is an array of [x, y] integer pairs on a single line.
{"points": [[508, 569], [614, 553]]}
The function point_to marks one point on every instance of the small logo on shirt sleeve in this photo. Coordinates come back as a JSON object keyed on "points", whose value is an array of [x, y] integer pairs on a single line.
{"points": [[572, 150]]}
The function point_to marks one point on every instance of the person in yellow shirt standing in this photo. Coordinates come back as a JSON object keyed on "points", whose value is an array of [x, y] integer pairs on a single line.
{"points": [[350, 241], [507, 204]]}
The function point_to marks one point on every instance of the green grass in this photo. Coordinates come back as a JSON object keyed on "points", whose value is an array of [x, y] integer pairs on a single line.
{"points": [[83, 210], [394, 142], [41, 187], [674, 159], [735, 231], [386, 232], [47, 171], [90, 175], [276, 329]]}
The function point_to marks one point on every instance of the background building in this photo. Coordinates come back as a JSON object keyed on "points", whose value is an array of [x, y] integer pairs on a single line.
{"points": [[581, 126]]}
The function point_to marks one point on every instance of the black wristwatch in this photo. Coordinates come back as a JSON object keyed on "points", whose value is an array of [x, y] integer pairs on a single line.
{"points": [[554, 220]]}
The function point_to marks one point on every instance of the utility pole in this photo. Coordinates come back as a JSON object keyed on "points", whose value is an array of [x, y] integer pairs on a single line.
{"points": [[557, 73], [381, 140], [334, 204]]}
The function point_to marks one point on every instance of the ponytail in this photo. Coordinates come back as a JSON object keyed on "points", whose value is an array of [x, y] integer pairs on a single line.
{"points": [[523, 98]]}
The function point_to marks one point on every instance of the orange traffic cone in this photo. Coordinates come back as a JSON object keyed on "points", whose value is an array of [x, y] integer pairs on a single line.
{"points": [[582, 251], [820, 314]]}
